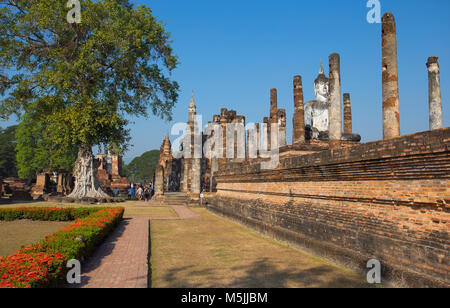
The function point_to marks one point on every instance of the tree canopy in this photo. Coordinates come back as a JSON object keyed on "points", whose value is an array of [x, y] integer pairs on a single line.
{"points": [[8, 164], [142, 168], [36, 152], [85, 80]]}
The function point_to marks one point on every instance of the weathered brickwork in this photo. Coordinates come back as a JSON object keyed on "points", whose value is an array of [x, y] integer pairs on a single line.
{"points": [[388, 200]]}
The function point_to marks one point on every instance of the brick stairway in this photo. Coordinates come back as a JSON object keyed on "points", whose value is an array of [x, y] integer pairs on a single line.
{"points": [[172, 199]]}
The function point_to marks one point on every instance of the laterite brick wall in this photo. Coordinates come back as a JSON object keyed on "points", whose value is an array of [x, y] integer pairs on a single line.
{"points": [[388, 200]]}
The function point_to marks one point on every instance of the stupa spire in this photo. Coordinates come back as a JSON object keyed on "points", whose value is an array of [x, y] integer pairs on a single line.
{"points": [[192, 104]]}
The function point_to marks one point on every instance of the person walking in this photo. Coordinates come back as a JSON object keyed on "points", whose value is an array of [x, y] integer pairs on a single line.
{"points": [[140, 193]]}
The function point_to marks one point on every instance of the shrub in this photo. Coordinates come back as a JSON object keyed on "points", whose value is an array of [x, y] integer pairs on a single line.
{"points": [[43, 264], [46, 214]]}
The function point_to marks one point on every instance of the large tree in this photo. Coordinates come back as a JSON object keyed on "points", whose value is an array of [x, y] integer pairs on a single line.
{"points": [[36, 151], [85, 80], [8, 164]]}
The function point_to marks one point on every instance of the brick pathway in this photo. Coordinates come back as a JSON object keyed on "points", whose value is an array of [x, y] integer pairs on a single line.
{"points": [[122, 260], [185, 213], [182, 211]]}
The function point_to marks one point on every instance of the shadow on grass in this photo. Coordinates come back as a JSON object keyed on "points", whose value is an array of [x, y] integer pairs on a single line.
{"points": [[262, 274]]}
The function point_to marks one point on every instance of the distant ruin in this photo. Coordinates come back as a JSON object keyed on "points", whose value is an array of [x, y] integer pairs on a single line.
{"points": [[54, 182], [109, 174]]}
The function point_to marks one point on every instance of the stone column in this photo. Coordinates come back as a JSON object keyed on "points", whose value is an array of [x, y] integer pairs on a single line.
{"points": [[335, 109], [258, 138], [223, 125], [391, 113], [195, 177], [214, 169], [196, 170], [159, 181], [281, 116], [273, 104], [434, 93], [60, 185], [185, 175], [348, 127], [298, 136], [266, 134]]}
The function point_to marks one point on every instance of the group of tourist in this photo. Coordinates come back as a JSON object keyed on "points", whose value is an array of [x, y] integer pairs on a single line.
{"points": [[144, 192], [141, 192]]}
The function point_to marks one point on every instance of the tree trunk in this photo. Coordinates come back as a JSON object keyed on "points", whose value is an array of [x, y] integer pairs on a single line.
{"points": [[86, 183]]}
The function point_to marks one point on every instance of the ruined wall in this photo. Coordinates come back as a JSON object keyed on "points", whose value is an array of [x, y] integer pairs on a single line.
{"points": [[388, 200]]}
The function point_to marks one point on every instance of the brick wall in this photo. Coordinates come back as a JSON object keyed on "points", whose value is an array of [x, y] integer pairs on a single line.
{"points": [[388, 200]]}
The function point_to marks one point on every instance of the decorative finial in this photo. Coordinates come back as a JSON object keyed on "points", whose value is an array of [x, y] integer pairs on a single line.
{"points": [[321, 68], [192, 104]]}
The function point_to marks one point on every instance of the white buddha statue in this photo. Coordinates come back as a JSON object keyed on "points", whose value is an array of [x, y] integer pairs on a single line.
{"points": [[316, 111]]}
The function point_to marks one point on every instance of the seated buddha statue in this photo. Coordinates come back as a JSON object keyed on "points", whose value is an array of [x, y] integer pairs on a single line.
{"points": [[316, 111]]}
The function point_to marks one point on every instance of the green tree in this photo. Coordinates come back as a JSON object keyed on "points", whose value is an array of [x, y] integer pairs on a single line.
{"points": [[8, 164], [142, 168], [85, 80], [36, 151]]}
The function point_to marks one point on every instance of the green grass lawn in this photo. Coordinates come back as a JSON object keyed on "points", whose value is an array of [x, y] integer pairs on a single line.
{"points": [[16, 233], [215, 252]]}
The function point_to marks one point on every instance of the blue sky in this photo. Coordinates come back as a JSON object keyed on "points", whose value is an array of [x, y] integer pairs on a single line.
{"points": [[232, 52]]}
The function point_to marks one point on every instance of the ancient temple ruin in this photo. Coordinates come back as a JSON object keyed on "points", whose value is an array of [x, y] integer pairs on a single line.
{"points": [[52, 182], [109, 174], [349, 202]]}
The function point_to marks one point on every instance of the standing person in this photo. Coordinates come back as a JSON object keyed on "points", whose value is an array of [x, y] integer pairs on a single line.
{"points": [[140, 192], [146, 194], [116, 192], [130, 191], [133, 192]]}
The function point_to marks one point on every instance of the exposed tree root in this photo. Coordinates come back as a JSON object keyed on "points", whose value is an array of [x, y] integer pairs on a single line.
{"points": [[86, 183]]}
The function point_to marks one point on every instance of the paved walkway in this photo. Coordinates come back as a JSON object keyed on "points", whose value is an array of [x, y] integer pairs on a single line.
{"points": [[122, 260]]}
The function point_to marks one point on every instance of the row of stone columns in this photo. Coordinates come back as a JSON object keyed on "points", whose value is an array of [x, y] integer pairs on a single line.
{"points": [[391, 114]]}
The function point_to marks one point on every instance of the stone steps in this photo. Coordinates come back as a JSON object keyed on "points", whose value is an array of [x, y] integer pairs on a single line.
{"points": [[174, 199]]}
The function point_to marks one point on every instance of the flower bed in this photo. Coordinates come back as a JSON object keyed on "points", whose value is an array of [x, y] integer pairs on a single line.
{"points": [[43, 264]]}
